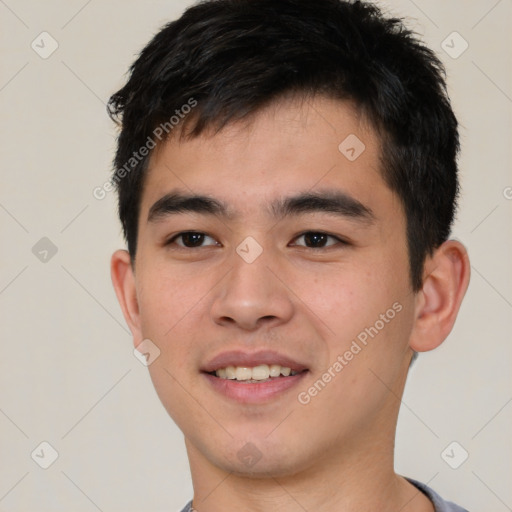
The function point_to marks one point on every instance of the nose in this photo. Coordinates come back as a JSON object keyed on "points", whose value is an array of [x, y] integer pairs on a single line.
{"points": [[252, 295]]}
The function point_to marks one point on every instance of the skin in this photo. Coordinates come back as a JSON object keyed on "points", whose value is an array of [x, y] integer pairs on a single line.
{"points": [[336, 452]]}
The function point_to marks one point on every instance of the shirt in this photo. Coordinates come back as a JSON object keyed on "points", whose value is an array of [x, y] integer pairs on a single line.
{"points": [[440, 505]]}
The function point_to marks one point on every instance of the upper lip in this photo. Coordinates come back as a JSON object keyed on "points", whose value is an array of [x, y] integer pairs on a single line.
{"points": [[251, 359]]}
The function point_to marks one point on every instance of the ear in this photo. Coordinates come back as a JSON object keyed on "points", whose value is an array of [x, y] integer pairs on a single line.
{"points": [[123, 280], [445, 281]]}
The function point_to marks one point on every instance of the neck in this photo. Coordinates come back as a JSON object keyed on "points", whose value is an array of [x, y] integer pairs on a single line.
{"points": [[345, 480]]}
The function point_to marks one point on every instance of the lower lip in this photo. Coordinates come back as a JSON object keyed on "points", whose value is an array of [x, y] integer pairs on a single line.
{"points": [[254, 392]]}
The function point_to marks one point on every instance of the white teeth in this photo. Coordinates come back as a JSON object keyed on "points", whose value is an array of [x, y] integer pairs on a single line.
{"points": [[243, 373], [275, 370], [261, 372], [230, 372], [257, 373]]}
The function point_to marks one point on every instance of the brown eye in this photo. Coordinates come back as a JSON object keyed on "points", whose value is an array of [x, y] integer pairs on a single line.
{"points": [[318, 239], [190, 239]]}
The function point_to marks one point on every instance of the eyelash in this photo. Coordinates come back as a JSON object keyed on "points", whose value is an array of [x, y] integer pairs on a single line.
{"points": [[340, 241]]}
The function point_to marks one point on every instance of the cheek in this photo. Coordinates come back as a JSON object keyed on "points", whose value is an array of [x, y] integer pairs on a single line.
{"points": [[358, 302], [170, 304], [169, 295], [343, 298]]}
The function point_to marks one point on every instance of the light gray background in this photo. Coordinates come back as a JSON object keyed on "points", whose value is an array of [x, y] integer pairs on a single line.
{"points": [[67, 372]]}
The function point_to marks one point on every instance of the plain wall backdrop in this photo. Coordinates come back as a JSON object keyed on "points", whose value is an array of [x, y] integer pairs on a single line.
{"points": [[68, 376]]}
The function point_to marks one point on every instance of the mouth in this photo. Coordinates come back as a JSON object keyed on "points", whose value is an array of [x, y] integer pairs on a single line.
{"points": [[253, 378], [255, 374]]}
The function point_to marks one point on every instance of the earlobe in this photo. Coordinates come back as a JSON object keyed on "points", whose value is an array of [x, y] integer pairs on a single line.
{"points": [[124, 285], [445, 283]]}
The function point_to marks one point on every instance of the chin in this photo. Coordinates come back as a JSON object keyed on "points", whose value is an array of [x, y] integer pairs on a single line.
{"points": [[260, 458]]}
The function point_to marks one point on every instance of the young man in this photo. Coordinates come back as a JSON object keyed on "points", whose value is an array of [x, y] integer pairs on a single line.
{"points": [[287, 182]]}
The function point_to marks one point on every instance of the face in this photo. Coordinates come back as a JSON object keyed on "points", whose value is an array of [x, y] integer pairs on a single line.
{"points": [[292, 258]]}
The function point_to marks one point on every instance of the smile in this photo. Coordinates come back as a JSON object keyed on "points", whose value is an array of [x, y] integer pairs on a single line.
{"points": [[260, 373], [253, 377]]}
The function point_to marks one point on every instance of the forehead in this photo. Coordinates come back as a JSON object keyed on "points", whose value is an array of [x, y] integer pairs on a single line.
{"points": [[289, 147]]}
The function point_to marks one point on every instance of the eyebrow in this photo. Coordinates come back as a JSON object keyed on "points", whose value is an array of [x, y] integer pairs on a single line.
{"points": [[336, 202]]}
